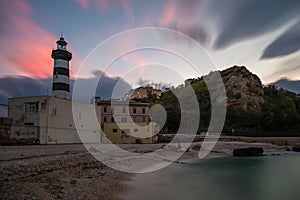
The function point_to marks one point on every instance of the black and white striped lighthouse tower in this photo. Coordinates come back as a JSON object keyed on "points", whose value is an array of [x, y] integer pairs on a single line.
{"points": [[61, 80]]}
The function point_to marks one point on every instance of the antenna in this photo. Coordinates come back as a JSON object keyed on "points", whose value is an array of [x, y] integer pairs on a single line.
{"points": [[61, 34]]}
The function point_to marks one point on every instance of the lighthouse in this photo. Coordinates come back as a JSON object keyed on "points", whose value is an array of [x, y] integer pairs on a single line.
{"points": [[61, 75]]}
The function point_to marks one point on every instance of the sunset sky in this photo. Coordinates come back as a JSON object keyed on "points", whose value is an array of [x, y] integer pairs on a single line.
{"points": [[263, 35]]}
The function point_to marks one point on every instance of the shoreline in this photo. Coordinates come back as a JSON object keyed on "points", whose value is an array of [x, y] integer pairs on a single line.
{"points": [[70, 171]]}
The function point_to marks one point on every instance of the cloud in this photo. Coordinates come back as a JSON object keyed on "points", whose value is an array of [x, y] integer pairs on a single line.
{"points": [[25, 86], [107, 4], [244, 19], [169, 12], [185, 17], [285, 44], [83, 3], [105, 88], [25, 46], [99, 4], [290, 85]]}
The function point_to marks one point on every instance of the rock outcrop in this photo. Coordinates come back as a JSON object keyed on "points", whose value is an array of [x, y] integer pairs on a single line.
{"points": [[243, 89], [251, 151], [296, 148]]}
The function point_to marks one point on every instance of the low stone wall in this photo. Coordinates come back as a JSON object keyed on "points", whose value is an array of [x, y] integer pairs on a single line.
{"points": [[5, 126]]}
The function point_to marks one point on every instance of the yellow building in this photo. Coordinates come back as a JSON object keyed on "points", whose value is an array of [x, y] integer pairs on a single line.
{"points": [[112, 133], [126, 122]]}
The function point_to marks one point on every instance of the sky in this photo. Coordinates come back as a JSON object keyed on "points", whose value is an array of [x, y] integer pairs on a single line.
{"points": [[263, 35]]}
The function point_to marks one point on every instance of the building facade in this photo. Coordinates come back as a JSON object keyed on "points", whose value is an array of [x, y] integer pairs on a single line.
{"points": [[126, 122], [51, 120]]}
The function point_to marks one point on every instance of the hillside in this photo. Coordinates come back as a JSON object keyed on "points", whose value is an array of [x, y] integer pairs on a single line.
{"points": [[251, 107]]}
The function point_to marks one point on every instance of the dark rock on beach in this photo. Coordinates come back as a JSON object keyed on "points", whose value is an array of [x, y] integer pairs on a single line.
{"points": [[296, 148], [251, 151]]}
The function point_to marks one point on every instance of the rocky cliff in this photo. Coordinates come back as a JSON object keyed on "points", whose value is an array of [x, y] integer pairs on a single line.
{"points": [[243, 89]]}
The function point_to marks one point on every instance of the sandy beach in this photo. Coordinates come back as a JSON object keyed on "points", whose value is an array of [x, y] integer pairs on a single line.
{"points": [[71, 172]]}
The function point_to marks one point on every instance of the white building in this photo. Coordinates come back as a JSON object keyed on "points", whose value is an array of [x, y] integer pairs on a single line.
{"points": [[50, 120]]}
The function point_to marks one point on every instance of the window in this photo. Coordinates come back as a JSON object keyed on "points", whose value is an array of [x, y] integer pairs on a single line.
{"points": [[43, 106], [112, 110], [124, 110], [105, 109], [54, 111], [32, 107], [144, 110], [105, 119], [112, 119], [134, 110], [134, 119], [115, 130], [124, 119], [144, 119]]}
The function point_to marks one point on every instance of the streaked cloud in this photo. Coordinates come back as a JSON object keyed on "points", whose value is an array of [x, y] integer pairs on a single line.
{"points": [[185, 17], [19, 86], [290, 85], [25, 45], [285, 44], [83, 3], [241, 20], [107, 5], [169, 14]]}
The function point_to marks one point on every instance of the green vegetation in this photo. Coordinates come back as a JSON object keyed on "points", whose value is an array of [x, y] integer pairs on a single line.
{"points": [[280, 111]]}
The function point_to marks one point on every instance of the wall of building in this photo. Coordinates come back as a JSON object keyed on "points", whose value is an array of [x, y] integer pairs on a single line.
{"points": [[122, 112], [25, 123], [62, 127], [53, 123], [112, 133]]}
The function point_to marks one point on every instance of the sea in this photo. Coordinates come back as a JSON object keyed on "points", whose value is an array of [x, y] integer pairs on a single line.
{"points": [[229, 178]]}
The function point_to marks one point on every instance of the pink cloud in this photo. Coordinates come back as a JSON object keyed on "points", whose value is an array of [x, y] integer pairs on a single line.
{"points": [[25, 45], [99, 4], [148, 19], [168, 14], [107, 4], [127, 7], [83, 3]]}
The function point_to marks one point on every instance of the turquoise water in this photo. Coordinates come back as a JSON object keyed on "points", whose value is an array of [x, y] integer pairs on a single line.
{"points": [[267, 177]]}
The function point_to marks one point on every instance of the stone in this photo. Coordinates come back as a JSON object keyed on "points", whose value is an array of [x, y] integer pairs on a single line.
{"points": [[296, 148], [244, 90], [251, 151]]}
